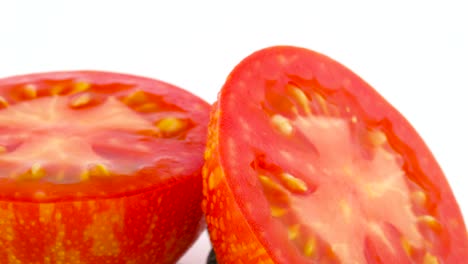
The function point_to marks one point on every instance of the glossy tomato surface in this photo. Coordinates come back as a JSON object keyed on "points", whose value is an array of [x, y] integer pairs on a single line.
{"points": [[98, 167], [306, 163]]}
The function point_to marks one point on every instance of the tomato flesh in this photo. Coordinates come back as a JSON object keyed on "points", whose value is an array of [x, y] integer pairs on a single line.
{"points": [[98, 167], [320, 169]]}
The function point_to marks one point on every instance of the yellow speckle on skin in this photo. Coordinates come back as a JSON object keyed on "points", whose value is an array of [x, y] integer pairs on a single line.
{"points": [[40, 195], [214, 178], [102, 231], [46, 211], [282, 124]]}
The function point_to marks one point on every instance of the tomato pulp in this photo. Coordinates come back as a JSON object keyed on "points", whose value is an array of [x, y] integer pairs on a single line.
{"points": [[306, 163], [99, 167]]}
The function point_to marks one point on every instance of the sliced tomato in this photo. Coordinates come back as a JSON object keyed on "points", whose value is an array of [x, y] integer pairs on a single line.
{"points": [[99, 167], [306, 163]]}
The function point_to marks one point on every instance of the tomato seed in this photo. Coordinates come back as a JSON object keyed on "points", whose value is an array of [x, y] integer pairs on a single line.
{"points": [[323, 104], [310, 247], [30, 91], [293, 184], [430, 221], [345, 209], [171, 125], [430, 259], [81, 100], [37, 172], [419, 198], [277, 211], [136, 98], [282, 124], [293, 231], [377, 138], [80, 87], [406, 246], [147, 108], [300, 96]]}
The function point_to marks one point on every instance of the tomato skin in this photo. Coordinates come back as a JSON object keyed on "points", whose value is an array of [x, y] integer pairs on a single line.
{"points": [[230, 234], [241, 229], [158, 225], [147, 217]]}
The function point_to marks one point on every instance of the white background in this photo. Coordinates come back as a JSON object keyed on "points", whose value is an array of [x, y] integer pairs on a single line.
{"points": [[415, 54]]}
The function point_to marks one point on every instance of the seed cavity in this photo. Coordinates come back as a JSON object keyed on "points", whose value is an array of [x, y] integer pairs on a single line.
{"points": [[430, 259], [293, 183], [310, 247], [282, 124], [81, 100]]}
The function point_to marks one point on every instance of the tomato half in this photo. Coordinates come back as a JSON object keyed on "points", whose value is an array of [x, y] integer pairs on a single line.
{"points": [[99, 167], [306, 163]]}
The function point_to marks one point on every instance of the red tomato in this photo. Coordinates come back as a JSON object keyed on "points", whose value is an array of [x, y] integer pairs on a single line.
{"points": [[306, 163], [99, 167]]}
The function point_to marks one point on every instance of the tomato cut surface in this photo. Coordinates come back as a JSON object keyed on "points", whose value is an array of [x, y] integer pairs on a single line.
{"points": [[306, 163], [98, 167]]}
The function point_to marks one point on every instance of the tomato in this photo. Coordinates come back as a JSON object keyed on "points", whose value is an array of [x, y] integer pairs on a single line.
{"points": [[99, 167], [306, 163]]}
